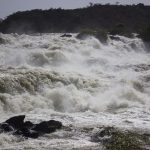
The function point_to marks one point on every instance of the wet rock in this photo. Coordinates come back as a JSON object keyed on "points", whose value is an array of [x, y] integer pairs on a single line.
{"points": [[28, 124], [27, 133], [54, 124], [47, 126], [5, 127], [66, 35], [27, 129], [16, 122], [116, 38]]}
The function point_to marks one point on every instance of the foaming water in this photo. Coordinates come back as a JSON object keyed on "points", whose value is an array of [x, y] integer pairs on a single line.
{"points": [[75, 81], [77, 75]]}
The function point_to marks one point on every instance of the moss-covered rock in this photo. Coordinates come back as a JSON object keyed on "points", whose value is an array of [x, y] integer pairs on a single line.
{"points": [[114, 139], [124, 141]]}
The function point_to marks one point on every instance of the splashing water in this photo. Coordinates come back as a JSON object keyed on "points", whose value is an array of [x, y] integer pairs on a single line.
{"points": [[79, 82]]}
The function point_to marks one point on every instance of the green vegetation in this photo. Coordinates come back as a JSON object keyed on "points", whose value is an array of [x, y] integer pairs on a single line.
{"points": [[95, 20], [114, 18]]}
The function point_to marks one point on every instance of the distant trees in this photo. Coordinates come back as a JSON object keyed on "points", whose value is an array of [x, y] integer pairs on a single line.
{"points": [[117, 19], [140, 5]]}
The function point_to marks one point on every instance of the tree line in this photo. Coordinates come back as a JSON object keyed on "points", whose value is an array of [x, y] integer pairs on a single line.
{"points": [[113, 18]]}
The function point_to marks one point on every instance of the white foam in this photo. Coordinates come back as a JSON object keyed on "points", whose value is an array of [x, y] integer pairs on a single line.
{"points": [[82, 83]]}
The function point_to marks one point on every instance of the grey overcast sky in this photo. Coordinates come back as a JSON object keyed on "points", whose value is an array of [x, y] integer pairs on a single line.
{"points": [[9, 6]]}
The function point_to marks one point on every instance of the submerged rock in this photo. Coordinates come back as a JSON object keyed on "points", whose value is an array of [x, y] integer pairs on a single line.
{"points": [[66, 35], [27, 129]]}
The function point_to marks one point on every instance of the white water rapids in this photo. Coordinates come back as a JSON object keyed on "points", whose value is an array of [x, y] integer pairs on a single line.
{"points": [[82, 83]]}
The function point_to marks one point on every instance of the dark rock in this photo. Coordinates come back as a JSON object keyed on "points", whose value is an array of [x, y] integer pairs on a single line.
{"points": [[116, 38], [25, 132], [5, 127], [44, 127], [54, 124], [16, 122], [28, 124], [27, 129], [47, 126], [66, 35]]}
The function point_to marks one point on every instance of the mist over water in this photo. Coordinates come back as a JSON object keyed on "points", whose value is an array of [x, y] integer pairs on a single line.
{"points": [[81, 82]]}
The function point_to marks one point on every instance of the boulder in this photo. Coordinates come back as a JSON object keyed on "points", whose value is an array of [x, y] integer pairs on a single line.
{"points": [[16, 122], [27, 129], [47, 126]]}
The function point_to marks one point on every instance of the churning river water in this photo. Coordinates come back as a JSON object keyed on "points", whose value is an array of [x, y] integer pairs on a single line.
{"points": [[82, 83]]}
